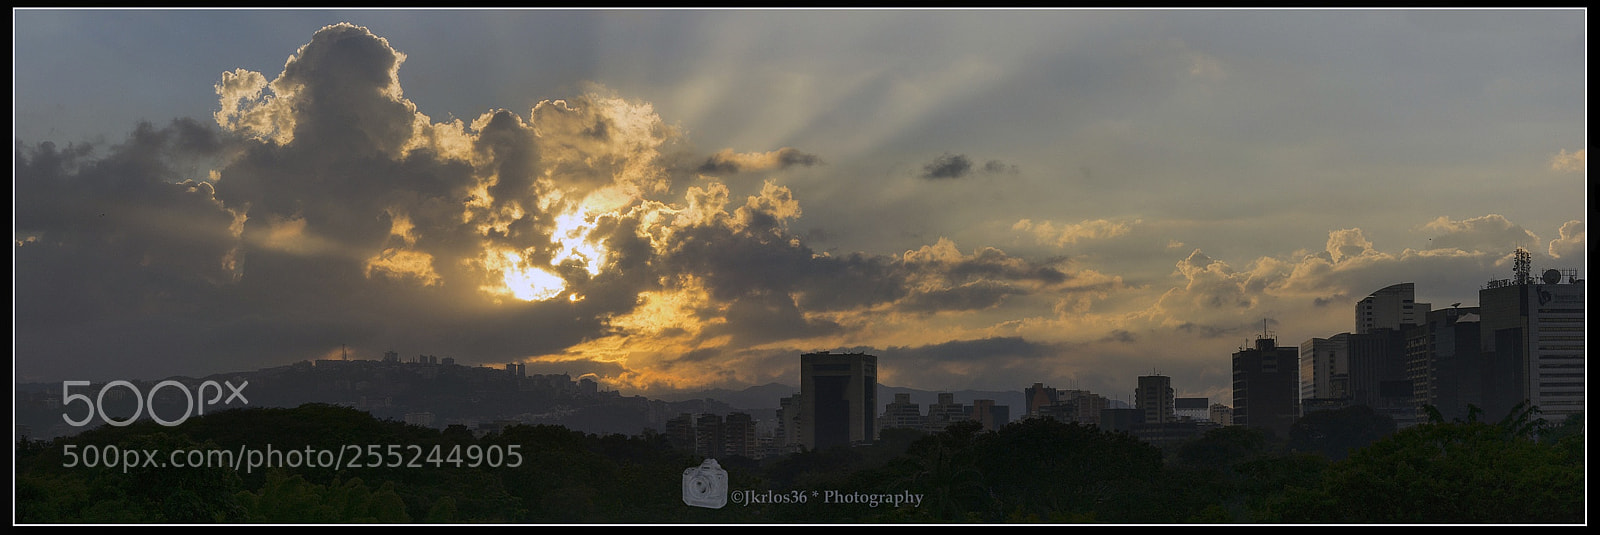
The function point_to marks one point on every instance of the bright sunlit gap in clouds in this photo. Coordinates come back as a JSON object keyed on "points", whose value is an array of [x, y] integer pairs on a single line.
{"points": [[525, 282], [528, 281]]}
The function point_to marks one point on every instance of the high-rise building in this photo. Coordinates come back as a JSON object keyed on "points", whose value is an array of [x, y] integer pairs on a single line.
{"points": [[990, 416], [680, 432], [708, 436], [838, 399], [1081, 406], [1221, 414], [1192, 409], [739, 436], [788, 433], [1444, 363], [1266, 386], [944, 412], [1378, 374], [1533, 343], [1154, 396], [902, 413], [1086, 405], [1325, 368], [1037, 397], [1390, 308], [1377, 352]]}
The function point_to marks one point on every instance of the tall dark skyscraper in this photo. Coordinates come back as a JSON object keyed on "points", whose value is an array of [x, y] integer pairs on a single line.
{"points": [[1266, 386], [838, 399]]}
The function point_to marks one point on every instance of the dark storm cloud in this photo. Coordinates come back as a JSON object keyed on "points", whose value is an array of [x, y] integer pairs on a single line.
{"points": [[1120, 336], [973, 351], [1320, 302], [954, 166], [727, 162], [767, 316], [1209, 331], [788, 157], [997, 167], [956, 363], [947, 166], [121, 235]]}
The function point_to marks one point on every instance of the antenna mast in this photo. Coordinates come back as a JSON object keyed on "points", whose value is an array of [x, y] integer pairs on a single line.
{"points": [[1523, 267]]}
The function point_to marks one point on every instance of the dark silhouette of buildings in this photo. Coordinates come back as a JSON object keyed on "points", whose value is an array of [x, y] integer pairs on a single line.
{"points": [[1081, 406], [1524, 343], [1378, 373], [1369, 367], [1266, 386], [1445, 364], [838, 399]]}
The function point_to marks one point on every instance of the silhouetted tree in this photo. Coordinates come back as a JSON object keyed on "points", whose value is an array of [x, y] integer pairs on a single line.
{"points": [[1334, 433], [1473, 473]]}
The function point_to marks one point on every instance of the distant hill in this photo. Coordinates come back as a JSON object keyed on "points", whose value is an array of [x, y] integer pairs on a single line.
{"points": [[756, 397]]}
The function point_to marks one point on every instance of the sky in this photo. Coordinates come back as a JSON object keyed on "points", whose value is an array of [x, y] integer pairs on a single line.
{"points": [[681, 199]]}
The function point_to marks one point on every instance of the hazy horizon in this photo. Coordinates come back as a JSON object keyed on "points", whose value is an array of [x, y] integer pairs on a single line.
{"points": [[677, 200]]}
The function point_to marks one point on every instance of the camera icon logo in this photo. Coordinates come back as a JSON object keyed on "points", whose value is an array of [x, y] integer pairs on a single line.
{"points": [[705, 485]]}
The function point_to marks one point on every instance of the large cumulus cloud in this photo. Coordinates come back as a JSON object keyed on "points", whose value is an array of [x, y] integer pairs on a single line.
{"points": [[323, 209]]}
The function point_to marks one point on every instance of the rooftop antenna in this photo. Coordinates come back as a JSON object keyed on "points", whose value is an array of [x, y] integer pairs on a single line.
{"points": [[1523, 267]]}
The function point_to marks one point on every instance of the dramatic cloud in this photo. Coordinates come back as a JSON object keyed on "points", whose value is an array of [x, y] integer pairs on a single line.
{"points": [[336, 214], [535, 216]]}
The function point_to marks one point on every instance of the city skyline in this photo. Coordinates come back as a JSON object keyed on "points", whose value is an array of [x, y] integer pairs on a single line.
{"points": [[688, 199]]}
